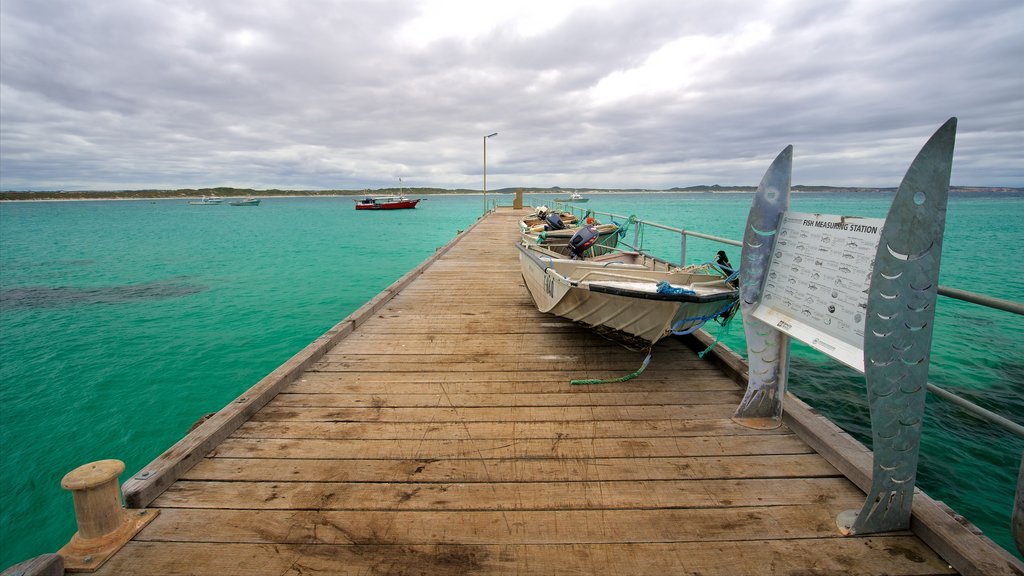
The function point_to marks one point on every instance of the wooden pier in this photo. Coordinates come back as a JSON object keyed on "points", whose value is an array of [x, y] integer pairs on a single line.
{"points": [[434, 431]]}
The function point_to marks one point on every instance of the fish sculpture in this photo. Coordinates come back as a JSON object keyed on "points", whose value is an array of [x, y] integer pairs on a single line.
{"points": [[767, 348], [898, 334]]}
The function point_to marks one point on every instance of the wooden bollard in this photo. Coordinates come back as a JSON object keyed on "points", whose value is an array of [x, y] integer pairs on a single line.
{"points": [[104, 526]]}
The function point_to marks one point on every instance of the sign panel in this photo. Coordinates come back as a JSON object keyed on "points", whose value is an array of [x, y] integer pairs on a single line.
{"points": [[816, 288]]}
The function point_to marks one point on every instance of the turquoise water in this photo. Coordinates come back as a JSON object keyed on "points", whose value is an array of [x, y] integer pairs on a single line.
{"points": [[123, 322]]}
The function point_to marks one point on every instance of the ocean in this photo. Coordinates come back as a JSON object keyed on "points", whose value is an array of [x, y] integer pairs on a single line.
{"points": [[124, 322]]}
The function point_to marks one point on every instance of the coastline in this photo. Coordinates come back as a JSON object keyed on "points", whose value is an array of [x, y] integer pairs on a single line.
{"points": [[170, 195]]}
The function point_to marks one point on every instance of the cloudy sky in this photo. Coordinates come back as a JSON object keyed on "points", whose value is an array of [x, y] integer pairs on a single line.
{"points": [[350, 94]]}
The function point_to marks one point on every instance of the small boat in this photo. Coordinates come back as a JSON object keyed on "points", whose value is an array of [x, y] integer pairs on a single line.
{"points": [[386, 203], [207, 201], [541, 217], [574, 198], [626, 293], [250, 201], [559, 240], [555, 230]]}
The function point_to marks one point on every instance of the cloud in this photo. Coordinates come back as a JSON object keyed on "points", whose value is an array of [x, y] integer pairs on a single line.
{"points": [[353, 94]]}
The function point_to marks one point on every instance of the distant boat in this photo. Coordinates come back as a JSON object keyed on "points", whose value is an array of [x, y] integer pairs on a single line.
{"points": [[386, 203], [207, 201], [575, 197], [250, 201]]}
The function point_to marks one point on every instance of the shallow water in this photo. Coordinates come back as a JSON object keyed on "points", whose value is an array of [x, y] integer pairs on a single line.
{"points": [[123, 322]]}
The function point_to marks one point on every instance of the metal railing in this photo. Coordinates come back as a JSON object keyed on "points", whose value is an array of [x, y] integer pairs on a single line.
{"points": [[1017, 520]]}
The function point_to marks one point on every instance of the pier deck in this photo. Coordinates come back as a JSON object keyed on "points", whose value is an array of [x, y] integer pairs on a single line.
{"points": [[438, 434]]}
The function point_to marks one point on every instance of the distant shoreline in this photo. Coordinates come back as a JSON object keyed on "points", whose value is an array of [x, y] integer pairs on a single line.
{"points": [[231, 193]]}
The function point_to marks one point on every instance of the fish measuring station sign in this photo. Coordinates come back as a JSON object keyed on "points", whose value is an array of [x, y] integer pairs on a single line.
{"points": [[816, 286]]}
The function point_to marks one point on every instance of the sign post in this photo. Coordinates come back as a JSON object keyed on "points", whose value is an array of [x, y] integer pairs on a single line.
{"points": [[862, 291]]}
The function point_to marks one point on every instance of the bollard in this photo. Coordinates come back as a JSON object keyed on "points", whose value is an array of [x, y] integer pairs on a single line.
{"points": [[104, 526]]}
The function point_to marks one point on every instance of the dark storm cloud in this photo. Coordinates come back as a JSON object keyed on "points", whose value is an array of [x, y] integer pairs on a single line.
{"points": [[616, 94]]}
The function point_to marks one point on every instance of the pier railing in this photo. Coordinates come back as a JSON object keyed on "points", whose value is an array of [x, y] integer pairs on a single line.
{"points": [[638, 225]]}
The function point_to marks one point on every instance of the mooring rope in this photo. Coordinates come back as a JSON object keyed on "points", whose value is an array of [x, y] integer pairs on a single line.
{"points": [[725, 321], [638, 372]]}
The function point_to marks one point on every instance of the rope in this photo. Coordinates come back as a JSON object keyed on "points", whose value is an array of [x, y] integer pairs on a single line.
{"points": [[623, 228], [725, 321], [701, 320], [665, 288], [638, 372]]}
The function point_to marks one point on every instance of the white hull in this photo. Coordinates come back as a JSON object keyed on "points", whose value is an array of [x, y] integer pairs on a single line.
{"points": [[613, 293]]}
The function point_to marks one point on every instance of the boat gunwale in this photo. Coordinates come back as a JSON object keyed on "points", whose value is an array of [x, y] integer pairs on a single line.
{"points": [[618, 291]]}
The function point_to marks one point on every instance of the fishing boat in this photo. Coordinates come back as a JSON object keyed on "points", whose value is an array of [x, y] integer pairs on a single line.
{"points": [[630, 293], [399, 202], [386, 203], [554, 230], [574, 198], [207, 201], [250, 201], [543, 217]]}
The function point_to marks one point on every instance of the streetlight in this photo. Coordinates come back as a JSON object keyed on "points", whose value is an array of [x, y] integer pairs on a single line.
{"points": [[485, 169]]}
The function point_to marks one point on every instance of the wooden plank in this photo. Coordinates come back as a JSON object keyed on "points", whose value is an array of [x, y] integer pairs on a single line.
{"points": [[522, 368], [614, 359], [579, 397], [505, 383], [44, 565], [527, 448], [492, 526], [524, 361], [496, 430], [511, 470], [851, 556], [496, 414], [575, 495], [367, 344]]}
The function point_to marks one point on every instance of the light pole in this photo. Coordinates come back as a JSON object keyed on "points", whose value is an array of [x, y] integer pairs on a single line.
{"points": [[485, 169]]}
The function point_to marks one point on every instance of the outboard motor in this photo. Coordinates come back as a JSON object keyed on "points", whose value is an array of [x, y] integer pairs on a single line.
{"points": [[584, 238], [554, 222]]}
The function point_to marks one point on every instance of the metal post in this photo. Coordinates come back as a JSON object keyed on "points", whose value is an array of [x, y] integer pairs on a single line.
{"points": [[682, 249], [485, 169], [1017, 520]]}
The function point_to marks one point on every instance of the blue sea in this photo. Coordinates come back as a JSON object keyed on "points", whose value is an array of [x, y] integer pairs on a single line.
{"points": [[124, 322]]}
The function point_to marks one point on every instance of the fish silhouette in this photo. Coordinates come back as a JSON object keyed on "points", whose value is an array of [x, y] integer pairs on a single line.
{"points": [[767, 348], [898, 333]]}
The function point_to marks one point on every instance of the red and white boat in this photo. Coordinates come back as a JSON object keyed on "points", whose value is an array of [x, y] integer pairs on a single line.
{"points": [[386, 203]]}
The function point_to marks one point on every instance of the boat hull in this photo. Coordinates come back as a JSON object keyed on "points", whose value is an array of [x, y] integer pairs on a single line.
{"points": [[649, 316]]}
